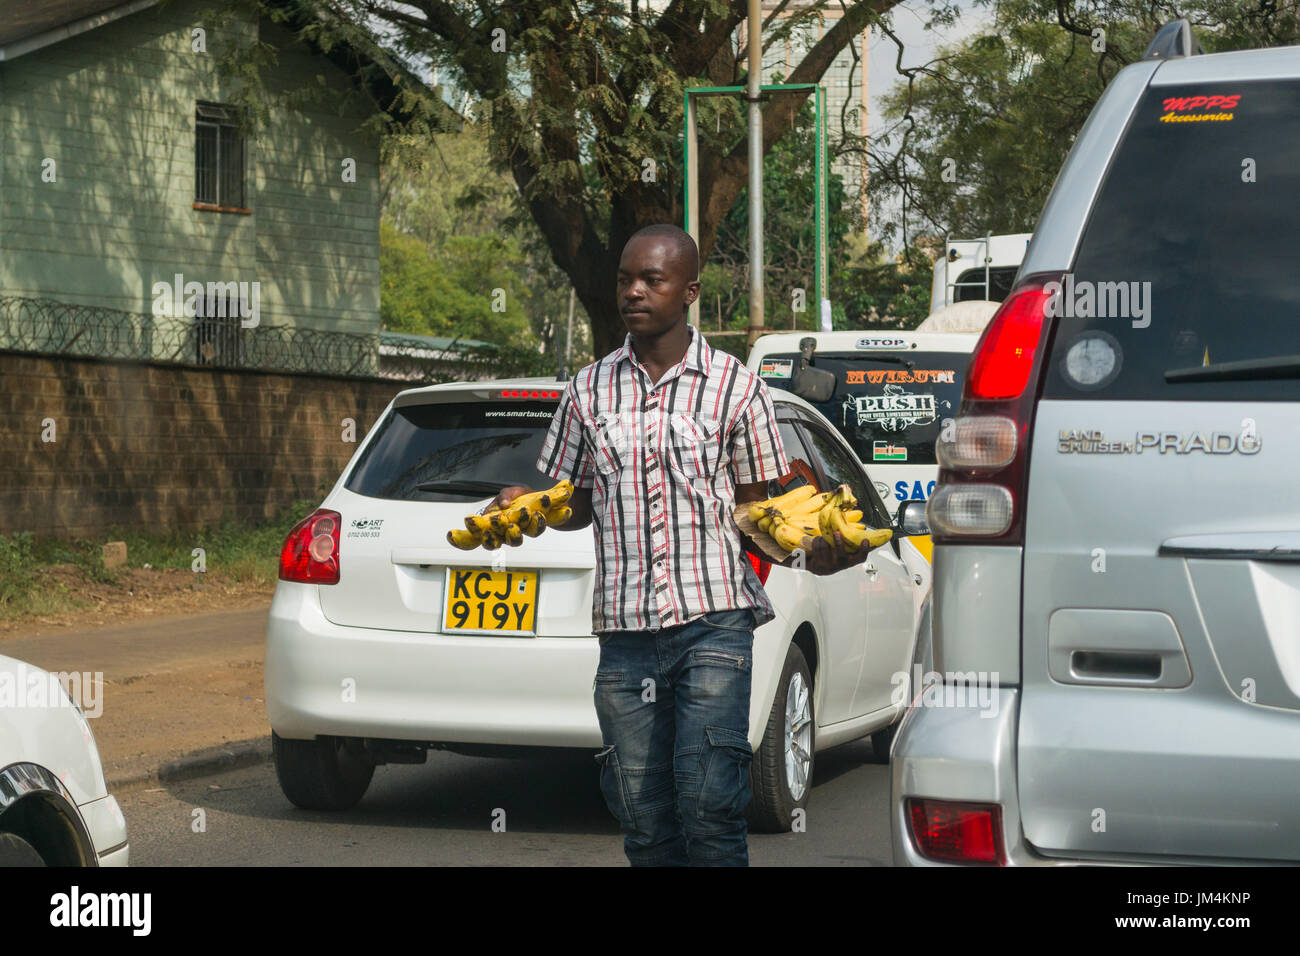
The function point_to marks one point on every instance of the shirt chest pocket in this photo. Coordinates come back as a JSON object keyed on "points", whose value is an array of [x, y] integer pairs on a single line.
{"points": [[695, 447], [612, 442]]}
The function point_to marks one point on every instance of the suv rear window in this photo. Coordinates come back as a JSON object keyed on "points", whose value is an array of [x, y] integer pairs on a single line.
{"points": [[1195, 228], [496, 443], [889, 408]]}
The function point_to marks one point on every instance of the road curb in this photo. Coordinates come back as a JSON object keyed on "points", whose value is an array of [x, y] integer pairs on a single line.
{"points": [[200, 763]]}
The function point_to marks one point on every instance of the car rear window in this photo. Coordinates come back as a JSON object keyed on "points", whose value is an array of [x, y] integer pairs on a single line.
{"points": [[974, 284], [1189, 255], [890, 408], [494, 442]]}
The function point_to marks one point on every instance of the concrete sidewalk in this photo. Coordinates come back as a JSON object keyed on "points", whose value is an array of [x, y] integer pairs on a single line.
{"points": [[181, 694]]}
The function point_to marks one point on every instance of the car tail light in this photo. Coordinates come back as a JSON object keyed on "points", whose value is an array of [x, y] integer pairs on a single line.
{"points": [[311, 549], [529, 393], [761, 567], [984, 456], [957, 832]]}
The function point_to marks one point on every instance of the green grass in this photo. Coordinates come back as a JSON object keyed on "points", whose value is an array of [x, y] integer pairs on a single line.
{"points": [[239, 552]]}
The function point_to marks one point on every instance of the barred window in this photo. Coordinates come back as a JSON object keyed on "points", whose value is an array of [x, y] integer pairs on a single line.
{"points": [[218, 334], [218, 156]]}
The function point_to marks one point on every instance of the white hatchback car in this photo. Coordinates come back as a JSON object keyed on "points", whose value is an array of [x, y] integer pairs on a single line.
{"points": [[55, 809], [384, 640]]}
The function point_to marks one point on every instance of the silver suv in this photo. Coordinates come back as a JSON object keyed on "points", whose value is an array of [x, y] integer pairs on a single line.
{"points": [[1110, 665]]}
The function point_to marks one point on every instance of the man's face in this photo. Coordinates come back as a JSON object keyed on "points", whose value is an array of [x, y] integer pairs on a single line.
{"points": [[653, 287]]}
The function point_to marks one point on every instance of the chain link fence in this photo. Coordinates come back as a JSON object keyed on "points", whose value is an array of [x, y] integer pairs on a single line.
{"points": [[49, 327]]}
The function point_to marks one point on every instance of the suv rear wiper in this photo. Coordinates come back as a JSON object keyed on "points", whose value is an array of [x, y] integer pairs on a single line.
{"points": [[1280, 366], [479, 488]]}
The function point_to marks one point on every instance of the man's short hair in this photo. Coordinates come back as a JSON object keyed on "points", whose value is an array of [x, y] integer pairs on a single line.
{"points": [[687, 250]]}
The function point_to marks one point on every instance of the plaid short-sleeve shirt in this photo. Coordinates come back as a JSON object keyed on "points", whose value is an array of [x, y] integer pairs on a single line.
{"points": [[663, 460]]}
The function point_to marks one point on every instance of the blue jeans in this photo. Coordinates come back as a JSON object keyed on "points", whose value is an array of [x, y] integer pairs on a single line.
{"points": [[673, 707]]}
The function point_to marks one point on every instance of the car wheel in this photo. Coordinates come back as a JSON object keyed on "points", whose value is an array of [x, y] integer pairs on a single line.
{"points": [[328, 773], [881, 741], [15, 851], [780, 776]]}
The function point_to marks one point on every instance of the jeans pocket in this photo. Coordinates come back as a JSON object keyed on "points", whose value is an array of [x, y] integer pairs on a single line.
{"points": [[736, 619], [724, 788], [614, 788]]}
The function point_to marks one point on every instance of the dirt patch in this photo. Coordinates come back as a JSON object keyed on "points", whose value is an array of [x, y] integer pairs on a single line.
{"points": [[139, 593]]}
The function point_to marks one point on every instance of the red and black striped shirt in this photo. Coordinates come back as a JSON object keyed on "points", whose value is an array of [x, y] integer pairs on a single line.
{"points": [[662, 460]]}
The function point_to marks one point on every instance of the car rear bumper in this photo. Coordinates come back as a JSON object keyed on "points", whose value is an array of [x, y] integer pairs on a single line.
{"points": [[324, 678], [959, 754]]}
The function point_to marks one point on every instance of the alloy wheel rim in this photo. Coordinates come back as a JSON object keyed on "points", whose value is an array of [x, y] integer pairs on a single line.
{"points": [[798, 735]]}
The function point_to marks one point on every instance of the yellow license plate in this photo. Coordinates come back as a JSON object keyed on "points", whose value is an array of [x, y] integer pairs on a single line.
{"points": [[479, 601]]}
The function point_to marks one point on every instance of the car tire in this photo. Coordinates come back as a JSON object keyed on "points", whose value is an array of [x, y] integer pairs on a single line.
{"points": [[772, 808], [328, 773], [881, 741], [15, 851]]}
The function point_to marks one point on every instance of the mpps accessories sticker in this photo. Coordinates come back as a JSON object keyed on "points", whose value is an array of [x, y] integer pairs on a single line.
{"points": [[776, 368], [1199, 109]]}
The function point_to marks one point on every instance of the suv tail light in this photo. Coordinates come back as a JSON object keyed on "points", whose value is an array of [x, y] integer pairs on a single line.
{"points": [[311, 549], [761, 567], [957, 832], [984, 456]]}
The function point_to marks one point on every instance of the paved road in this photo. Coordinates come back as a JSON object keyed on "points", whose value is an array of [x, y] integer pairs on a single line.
{"points": [[441, 813]]}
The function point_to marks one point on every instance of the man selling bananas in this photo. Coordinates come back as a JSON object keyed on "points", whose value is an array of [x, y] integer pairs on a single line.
{"points": [[660, 439]]}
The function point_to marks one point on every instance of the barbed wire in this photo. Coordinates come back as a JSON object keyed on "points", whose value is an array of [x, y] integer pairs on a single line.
{"points": [[50, 327]]}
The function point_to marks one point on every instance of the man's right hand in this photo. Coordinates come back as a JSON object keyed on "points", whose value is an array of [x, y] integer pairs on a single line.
{"points": [[509, 494]]}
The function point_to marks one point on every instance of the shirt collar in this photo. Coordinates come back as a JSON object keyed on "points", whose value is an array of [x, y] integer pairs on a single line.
{"points": [[699, 354]]}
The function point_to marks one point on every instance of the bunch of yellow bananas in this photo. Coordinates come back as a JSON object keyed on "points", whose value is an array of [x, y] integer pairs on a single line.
{"points": [[529, 514], [796, 518]]}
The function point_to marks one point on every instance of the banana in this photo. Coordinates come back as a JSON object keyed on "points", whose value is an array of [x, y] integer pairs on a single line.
{"points": [[852, 516], [811, 506], [558, 516], [791, 498], [843, 497], [514, 537], [535, 525], [533, 501], [856, 535], [757, 510], [490, 541], [560, 494], [788, 536], [479, 524], [465, 540]]}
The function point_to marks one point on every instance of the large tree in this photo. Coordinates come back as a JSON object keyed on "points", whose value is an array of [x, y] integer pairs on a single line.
{"points": [[585, 102]]}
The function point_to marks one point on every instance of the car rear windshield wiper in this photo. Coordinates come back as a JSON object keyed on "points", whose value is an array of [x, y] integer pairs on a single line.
{"points": [[896, 359], [1279, 366], [478, 488]]}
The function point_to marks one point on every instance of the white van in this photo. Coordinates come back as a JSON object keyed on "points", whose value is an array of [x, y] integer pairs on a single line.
{"points": [[977, 269]]}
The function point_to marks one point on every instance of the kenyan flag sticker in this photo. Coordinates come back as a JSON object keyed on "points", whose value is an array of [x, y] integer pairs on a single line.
{"points": [[888, 451]]}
